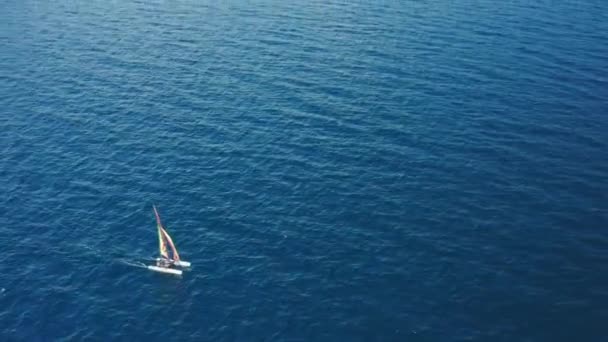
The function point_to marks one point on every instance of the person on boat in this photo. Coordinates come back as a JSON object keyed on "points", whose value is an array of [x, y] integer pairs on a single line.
{"points": [[162, 262]]}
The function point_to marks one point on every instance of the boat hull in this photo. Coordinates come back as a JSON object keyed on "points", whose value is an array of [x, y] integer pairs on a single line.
{"points": [[180, 263], [165, 270]]}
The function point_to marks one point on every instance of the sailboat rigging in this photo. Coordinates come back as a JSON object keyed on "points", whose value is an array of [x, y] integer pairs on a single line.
{"points": [[168, 252]]}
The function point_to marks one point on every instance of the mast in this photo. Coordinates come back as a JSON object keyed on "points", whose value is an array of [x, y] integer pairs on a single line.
{"points": [[162, 246]]}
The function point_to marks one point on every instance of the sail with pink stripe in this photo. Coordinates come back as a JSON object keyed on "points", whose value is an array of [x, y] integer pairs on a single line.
{"points": [[164, 239]]}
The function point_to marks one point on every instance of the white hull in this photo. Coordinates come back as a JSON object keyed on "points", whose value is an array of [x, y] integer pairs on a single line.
{"points": [[165, 270], [180, 263]]}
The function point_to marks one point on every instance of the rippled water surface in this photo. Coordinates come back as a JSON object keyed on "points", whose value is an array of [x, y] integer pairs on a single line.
{"points": [[335, 171]]}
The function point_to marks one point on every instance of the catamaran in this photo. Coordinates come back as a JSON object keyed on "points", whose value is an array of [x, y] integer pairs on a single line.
{"points": [[166, 259]]}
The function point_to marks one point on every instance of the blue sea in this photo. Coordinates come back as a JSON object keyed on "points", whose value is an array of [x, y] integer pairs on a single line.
{"points": [[334, 170]]}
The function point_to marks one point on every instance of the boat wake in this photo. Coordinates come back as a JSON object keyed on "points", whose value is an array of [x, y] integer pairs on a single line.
{"points": [[121, 257], [132, 263]]}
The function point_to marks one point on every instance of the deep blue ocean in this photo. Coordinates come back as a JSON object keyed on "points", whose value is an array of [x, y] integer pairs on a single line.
{"points": [[335, 171]]}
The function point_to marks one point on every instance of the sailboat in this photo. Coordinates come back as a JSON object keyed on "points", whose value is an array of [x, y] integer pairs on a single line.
{"points": [[168, 257]]}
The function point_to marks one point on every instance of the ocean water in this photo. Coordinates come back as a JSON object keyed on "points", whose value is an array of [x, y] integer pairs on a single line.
{"points": [[335, 171]]}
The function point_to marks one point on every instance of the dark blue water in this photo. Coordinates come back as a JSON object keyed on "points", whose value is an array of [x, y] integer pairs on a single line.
{"points": [[366, 171]]}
